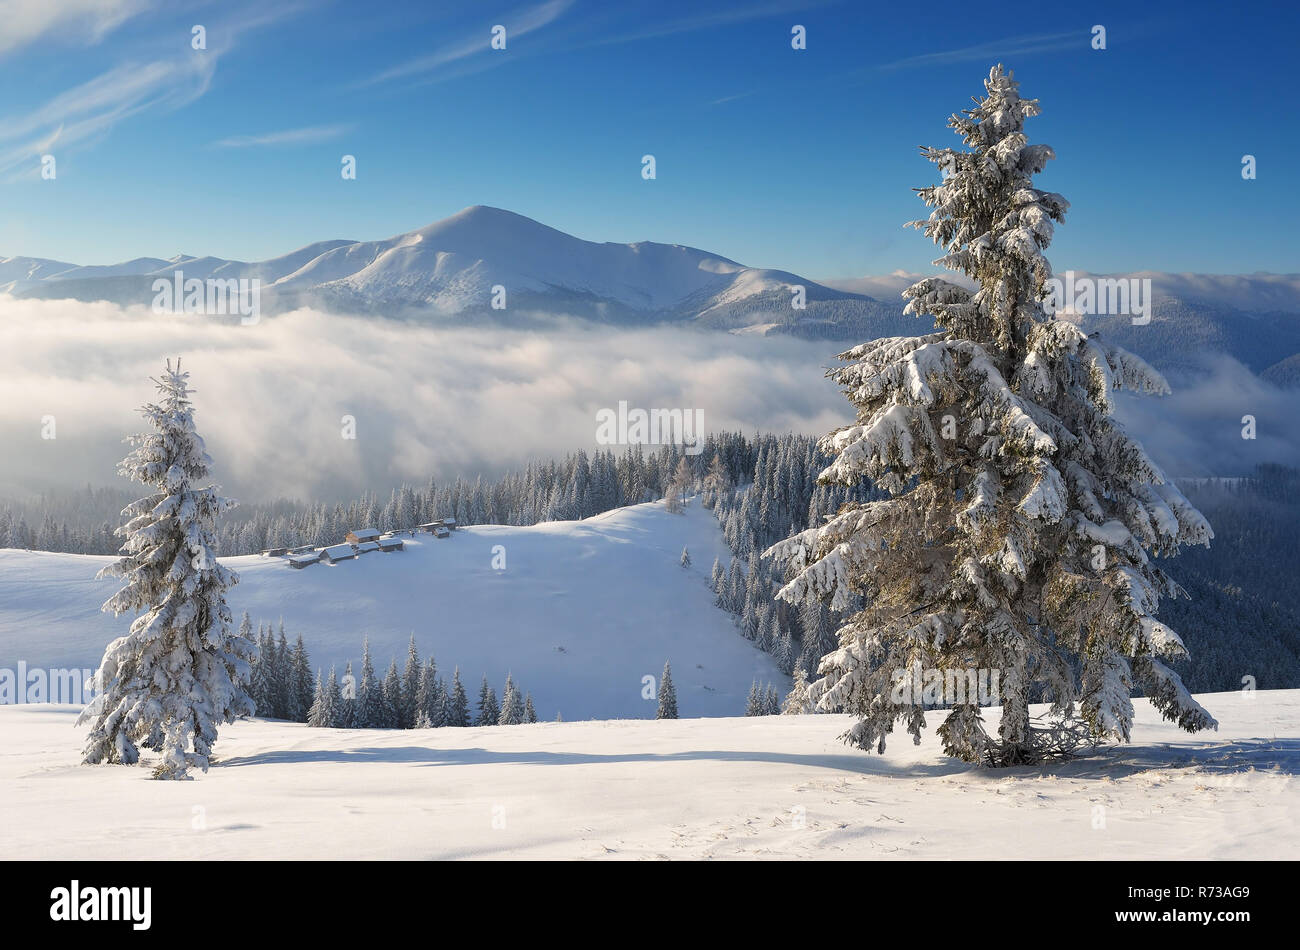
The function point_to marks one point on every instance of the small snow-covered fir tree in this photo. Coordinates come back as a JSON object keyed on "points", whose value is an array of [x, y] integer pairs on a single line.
{"points": [[457, 702], [429, 701], [772, 702], [530, 711], [512, 705], [717, 482], [318, 714], [488, 709], [181, 669], [796, 701], [369, 703], [408, 706], [332, 716], [392, 693], [686, 558], [1022, 518], [754, 704], [667, 695], [679, 486], [300, 663]]}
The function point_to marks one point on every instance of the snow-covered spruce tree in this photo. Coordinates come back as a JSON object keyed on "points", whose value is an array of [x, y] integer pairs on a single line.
{"points": [[301, 663], [685, 558], [319, 713], [1021, 519], [667, 696], [488, 708], [530, 711], [181, 669], [391, 690], [512, 705], [369, 704], [796, 701], [457, 702], [409, 705]]}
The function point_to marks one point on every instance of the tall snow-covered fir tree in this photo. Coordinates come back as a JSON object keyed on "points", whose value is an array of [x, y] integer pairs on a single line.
{"points": [[667, 708], [182, 668], [1022, 520]]}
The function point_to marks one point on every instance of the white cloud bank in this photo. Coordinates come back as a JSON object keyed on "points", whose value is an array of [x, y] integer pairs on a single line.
{"points": [[427, 400], [432, 400]]}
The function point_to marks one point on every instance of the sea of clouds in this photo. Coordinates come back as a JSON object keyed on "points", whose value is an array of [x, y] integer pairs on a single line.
{"points": [[427, 400], [441, 401]]}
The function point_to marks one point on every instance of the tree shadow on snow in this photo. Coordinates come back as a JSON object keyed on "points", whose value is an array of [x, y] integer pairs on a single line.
{"points": [[860, 763], [1239, 755], [1279, 755]]}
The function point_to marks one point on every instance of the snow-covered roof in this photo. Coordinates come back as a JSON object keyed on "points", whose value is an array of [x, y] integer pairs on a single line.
{"points": [[365, 546], [365, 534], [336, 551], [388, 544], [305, 558]]}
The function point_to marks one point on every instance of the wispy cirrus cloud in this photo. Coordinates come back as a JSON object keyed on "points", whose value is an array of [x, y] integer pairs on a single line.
{"points": [[286, 137], [705, 21], [86, 112], [725, 99], [23, 22], [996, 49], [434, 66]]}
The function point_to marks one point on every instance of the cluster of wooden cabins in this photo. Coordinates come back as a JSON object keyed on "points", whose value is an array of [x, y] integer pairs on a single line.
{"points": [[359, 542]]}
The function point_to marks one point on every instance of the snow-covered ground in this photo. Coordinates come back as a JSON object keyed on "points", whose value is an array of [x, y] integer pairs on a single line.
{"points": [[581, 613], [769, 787]]}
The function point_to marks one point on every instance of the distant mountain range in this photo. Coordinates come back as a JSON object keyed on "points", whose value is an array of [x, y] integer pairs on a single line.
{"points": [[449, 269]]}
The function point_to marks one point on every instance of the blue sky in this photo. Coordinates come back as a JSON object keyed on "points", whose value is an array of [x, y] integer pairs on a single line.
{"points": [[802, 160]]}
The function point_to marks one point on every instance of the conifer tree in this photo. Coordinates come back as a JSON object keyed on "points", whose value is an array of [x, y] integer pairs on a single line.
{"points": [[301, 666], [530, 712], [796, 701], [717, 482], [181, 669], [428, 702], [392, 692], [457, 703], [512, 706], [409, 702], [283, 680], [370, 693], [667, 696], [1021, 519], [772, 702], [318, 714]]}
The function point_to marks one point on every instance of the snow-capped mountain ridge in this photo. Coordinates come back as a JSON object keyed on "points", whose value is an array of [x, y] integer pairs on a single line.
{"points": [[452, 266]]}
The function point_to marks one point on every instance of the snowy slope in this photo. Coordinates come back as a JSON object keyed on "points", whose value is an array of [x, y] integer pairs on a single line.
{"points": [[582, 612], [451, 266], [770, 787]]}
